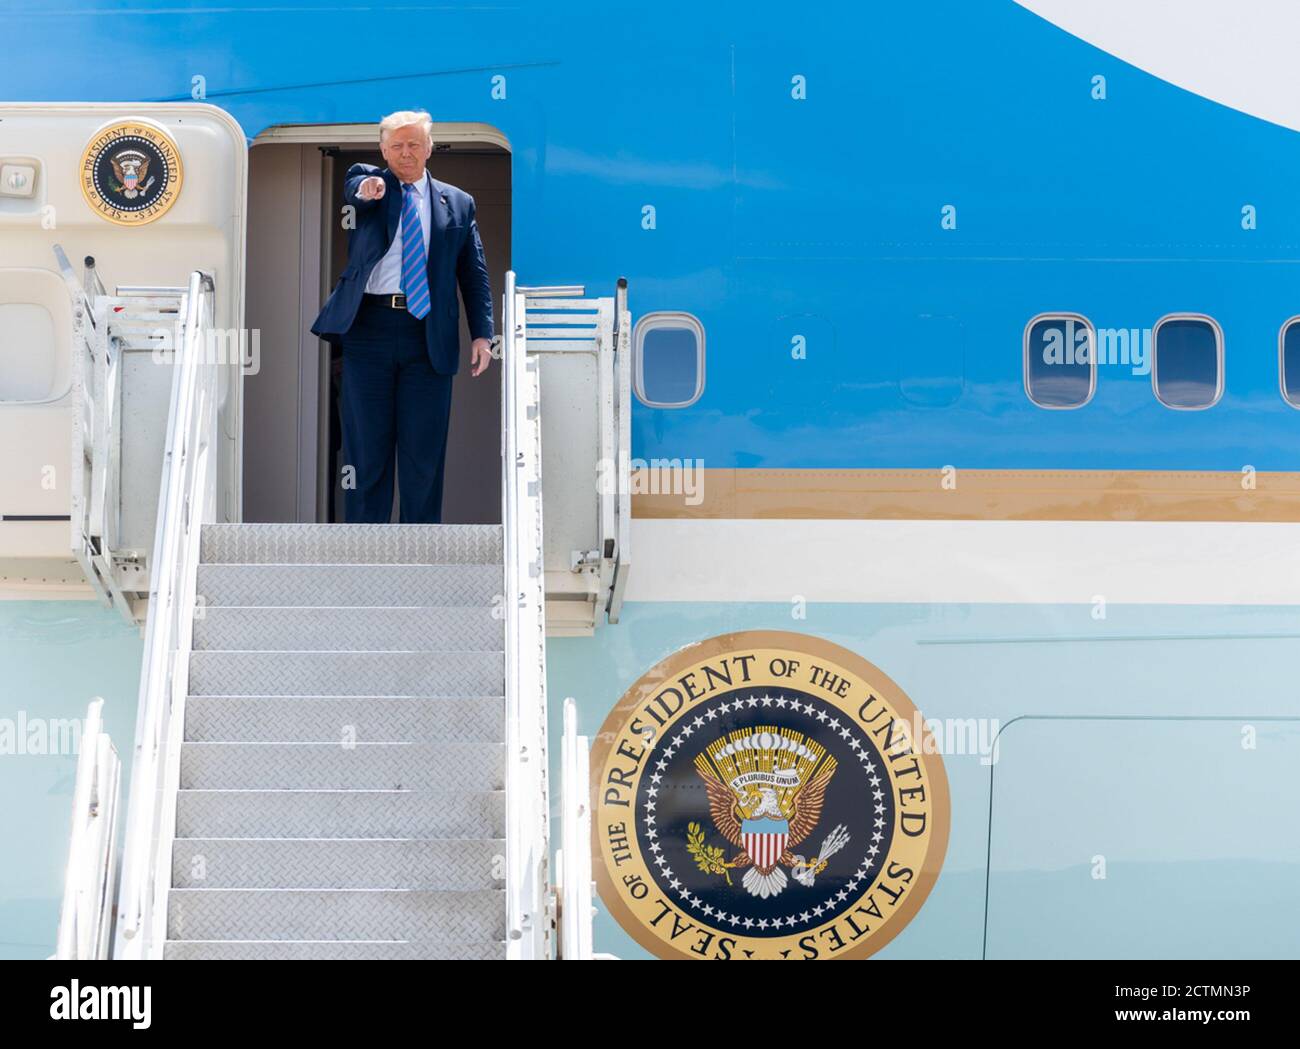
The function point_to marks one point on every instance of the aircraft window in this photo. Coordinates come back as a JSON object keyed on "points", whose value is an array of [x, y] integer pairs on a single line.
{"points": [[668, 359], [1289, 361], [1060, 360], [1187, 361], [29, 353]]}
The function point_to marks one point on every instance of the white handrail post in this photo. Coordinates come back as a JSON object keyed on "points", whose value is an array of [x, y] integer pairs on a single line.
{"points": [[527, 816], [575, 835], [86, 912]]}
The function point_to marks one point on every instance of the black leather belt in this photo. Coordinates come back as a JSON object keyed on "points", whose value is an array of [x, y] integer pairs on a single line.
{"points": [[396, 302]]}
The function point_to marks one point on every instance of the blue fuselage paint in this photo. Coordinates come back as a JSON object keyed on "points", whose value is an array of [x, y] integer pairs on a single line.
{"points": [[898, 188]]}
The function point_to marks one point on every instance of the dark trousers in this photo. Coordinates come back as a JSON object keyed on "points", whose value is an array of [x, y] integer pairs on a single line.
{"points": [[393, 407]]}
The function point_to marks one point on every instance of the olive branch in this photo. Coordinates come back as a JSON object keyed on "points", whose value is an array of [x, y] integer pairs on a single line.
{"points": [[707, 857]]}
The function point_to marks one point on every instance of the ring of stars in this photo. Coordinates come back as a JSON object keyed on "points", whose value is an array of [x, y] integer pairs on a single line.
{"points": [[683, 731]]}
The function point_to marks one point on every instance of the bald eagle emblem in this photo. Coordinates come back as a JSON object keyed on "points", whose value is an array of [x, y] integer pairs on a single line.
{"points": [[766, 786], [131, 166]]}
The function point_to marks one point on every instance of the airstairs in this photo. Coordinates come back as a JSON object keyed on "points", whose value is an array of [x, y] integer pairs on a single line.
{"points": [[342, 774], [341, 746]]}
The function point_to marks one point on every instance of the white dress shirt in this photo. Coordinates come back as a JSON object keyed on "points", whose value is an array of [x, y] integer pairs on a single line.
{"points": [[386, 277]]}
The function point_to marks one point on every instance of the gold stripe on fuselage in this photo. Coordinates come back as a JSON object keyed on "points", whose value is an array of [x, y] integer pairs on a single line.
{"points": [[956, 494]]}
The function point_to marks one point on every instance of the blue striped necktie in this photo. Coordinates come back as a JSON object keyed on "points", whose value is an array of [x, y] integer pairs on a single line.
{"points": [[415, 267]]}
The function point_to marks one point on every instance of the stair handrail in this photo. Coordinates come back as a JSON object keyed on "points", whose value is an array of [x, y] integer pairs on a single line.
{"points": [[186, 501], [527, 804], [574, 857], [89, 463], [85, 916], [623, 463]]}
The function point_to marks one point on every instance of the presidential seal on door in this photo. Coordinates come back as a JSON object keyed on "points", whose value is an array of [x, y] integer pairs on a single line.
{"points": [[131, 173]]}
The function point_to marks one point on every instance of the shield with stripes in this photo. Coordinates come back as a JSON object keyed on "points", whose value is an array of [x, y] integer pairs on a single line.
{"points": [[764, 840]]}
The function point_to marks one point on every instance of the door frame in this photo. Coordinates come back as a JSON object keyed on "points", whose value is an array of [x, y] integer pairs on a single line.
{"points": [[313, 482]]}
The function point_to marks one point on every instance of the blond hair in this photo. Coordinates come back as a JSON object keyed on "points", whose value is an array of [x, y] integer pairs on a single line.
{"points": [[405, 118]]}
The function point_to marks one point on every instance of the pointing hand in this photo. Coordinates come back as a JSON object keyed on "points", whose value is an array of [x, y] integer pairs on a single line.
{"points": [[371, 188]]}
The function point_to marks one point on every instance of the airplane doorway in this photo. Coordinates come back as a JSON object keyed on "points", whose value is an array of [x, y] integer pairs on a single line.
{"points": [[296, 251]]}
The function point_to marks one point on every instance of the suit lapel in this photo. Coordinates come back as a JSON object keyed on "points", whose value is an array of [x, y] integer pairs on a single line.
{"points": [[393, 197], [440, 216]]}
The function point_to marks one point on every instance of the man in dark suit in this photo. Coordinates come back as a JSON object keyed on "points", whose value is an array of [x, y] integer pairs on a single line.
{"points": [[394, 312]]}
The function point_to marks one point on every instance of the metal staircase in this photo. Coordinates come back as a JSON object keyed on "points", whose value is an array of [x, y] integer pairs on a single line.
{"points": [[342, 769], [341, 743]]}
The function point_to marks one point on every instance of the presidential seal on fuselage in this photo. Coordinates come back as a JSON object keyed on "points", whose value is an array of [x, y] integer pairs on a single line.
{"points": [[764, 795]]}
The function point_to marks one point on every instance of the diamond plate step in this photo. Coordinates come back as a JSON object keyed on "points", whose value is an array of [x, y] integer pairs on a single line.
{"points": [[324, 950], [336, 719], [329, 766], [462, 627], [335, 914], [360, 586], [340, 814], [350, 544], [347, 673], [269, 863]]}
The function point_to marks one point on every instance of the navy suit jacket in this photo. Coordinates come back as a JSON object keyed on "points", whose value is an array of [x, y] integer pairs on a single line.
{"points": [[455, 256]]}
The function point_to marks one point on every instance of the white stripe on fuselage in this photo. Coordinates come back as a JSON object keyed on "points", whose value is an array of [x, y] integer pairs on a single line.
{"points": [[1240, 54], [965, 561]]}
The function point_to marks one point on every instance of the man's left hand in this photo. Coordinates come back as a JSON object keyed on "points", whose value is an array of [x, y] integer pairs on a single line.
{"points": [[480, 356]]}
